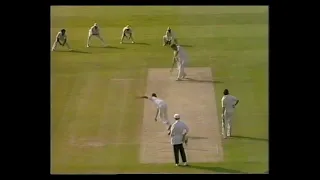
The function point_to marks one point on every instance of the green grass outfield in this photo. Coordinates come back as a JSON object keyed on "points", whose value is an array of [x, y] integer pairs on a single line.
{"points": [[233, 41]]}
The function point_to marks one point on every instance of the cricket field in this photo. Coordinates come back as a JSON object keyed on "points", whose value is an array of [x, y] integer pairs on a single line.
{"points": [[98, 125]]}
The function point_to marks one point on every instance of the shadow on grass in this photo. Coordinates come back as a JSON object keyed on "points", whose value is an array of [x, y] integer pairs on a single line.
{"points": [[141, 43], [195, 137], [249, 138], [214, 169], [185, 45], [74, 51], [202, 81], [107, 47]]}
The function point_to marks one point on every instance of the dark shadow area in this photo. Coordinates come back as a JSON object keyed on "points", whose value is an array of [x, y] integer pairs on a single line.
{"points": [[249, 138], [203, 81], [195, 137], [215, 169], [185, 45], [107, 47], [147, 44], [75, 51]]}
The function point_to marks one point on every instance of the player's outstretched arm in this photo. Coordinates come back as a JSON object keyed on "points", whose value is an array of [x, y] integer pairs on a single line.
{"points": [[143, 97]]}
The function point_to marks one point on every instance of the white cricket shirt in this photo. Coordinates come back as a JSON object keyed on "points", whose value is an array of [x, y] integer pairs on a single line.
{"points": [[61, 37], [94, 30], [178, 130], [158, 102], [228, 102]]}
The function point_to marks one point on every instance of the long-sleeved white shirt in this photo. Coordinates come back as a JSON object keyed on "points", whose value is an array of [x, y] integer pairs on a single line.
{"points": [[178, 130]]}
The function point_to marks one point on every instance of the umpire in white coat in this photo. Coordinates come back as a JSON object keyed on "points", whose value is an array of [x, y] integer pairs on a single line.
{"points": [[178, 132]]}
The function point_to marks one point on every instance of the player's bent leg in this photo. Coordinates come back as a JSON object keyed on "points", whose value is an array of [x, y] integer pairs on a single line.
{"points": [[122, 37], [89, 39], [54, 46], [101, 39]]}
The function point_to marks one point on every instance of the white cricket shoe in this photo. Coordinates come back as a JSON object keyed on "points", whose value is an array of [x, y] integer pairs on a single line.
{"points": [[132, 42], [178, 79], [177, 164], [88, 46], [185, 164], [121, 42]]}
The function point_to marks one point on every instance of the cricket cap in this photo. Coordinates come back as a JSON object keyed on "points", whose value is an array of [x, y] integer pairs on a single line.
{"points": [[176, 116]]}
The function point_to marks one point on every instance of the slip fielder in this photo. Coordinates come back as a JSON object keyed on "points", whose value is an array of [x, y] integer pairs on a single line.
{"points": [[61, 39], [229, 103], [94, 31], [162, 109], [127, 32], [169, 38]]}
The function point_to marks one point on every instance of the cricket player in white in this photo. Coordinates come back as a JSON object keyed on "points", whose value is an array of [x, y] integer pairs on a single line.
{"points": [[169, 38], [61, 39], [127, 32], [180, 57], [161, 109], [229, 103], [95, 31]]}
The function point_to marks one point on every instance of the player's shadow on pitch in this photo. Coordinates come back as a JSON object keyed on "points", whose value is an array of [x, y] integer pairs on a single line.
{"points": [[214, 169], [107, 47], [202, 81], [141, 43], [185, 45], [249, 138], [196, 137], [75, 51]]}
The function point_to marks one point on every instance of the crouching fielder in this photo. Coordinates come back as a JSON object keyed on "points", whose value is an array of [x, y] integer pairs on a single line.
{"points": [[169, 38], [229, 103], [180, 57], [127, 32], [94, 31], [61, 39], [161, 109]]}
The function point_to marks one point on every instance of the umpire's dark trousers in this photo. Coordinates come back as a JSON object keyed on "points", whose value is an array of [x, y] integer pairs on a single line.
{"points": [[179, 148]]}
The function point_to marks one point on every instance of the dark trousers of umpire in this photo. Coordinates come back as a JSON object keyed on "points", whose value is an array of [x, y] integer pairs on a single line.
{"points": [[178, 148]]}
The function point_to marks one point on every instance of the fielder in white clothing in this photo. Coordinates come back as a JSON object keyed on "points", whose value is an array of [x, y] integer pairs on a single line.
{"points": [[127, 32], [162, 109], [169, 38], [61, 39], [229, 103], [180, 57], [94, 31]]}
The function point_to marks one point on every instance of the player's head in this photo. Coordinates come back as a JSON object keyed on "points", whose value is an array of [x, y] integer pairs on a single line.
{"points": [[226, 92], [169, 29], [128, 26], [174, 47], [176, 116], [154, 95], [63, 31], [95, 25]]}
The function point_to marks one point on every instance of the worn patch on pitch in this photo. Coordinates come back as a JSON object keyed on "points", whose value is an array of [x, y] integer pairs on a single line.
{"points": [[194, 100]]}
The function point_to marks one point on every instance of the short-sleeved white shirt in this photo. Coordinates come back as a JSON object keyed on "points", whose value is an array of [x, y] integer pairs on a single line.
{"points": [[61, 37], [228, 102], [94, 30]]}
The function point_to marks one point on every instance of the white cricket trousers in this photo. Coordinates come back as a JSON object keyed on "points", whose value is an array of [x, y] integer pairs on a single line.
{"points": [[95, 35], [227, 123], [55, 44], [163, 114], [181, 72]]}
